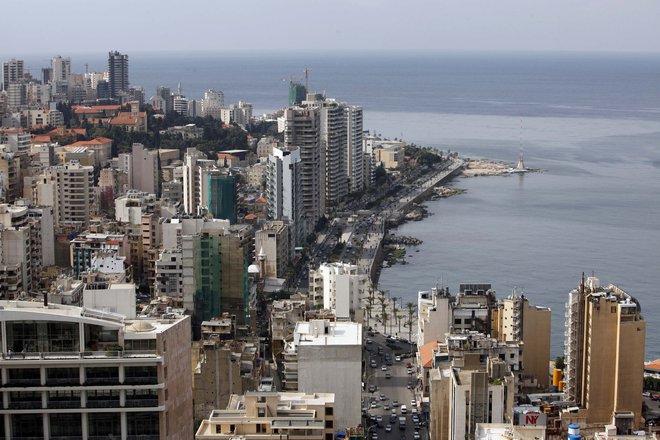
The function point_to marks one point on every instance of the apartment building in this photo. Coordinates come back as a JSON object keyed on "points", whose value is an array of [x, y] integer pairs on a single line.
{"points": [[271, 415], [77, 372]]}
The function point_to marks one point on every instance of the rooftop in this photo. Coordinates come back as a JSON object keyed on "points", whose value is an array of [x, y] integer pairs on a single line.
{"points": [[323, 332]]}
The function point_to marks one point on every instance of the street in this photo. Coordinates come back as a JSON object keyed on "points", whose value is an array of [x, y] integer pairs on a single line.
{"points": [[394, 390]]}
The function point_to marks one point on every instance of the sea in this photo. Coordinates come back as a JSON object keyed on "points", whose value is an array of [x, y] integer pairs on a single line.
{"points": [[590, 122]]}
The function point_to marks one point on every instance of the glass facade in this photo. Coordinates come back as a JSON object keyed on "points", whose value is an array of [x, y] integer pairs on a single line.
{"points": [[42, 336], [65, 426], [222, 197]]}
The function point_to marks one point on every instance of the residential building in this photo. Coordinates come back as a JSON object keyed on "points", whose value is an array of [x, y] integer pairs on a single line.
{"points": [[284, 191], [272, 243], [63, 375], [15, 250], [131, 207], [220, 197], [144, 169], [273, 415], [515, 319], [604, 327], [85, 246], [326, 357], [169, 273], [13, 71], [61, 69], [354, 152], [302, 130], [75, 193], [341, 286]]}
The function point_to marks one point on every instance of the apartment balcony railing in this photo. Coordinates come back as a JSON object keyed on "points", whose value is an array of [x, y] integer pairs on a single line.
{"points": [[23, 383], [102, 354], [61, 404], [149, 380], [114, 403], [28, 404], [141, 403]]}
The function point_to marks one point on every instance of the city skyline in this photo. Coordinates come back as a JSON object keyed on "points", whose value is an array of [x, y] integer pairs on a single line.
{"points": [[508, 25]]}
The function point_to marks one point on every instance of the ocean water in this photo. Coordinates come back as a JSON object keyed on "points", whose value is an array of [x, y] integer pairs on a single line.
{"points": [[591, 122]]}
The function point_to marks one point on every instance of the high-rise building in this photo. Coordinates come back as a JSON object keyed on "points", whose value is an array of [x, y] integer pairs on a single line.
{"points": [[302, 130], [194, 162], [118, 73], [283, 187], [515, 319], [75, 193], [274, 249], [354, 151], [71, 372], [12, 72], [220, 197], [61, 69], [297, 93], [604, 351], [341, 287], [144, 169]]}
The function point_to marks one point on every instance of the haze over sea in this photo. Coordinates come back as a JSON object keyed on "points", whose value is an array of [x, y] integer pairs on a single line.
{"points": [[590, 121]]}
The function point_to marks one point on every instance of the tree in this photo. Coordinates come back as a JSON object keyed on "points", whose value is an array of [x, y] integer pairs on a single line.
{"points": [[394, 308], [399, 316], [368, 308], [383, 302], [412, 309], [559, 363]]}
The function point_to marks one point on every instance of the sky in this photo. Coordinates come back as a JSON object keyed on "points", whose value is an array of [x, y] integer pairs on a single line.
{"points": [[81, 26]]}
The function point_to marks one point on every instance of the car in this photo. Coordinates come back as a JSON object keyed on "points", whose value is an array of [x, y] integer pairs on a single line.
{"points": [[372, 388], [388, 376], [388, 428], [403, 409], [382, 396], [383, 368], [397, 358], [369, 341], [415, 419], [386, 407], [374, 404], [374, 364], [372, 417], [374, 435], [416, 436], [413, 403], [379, 419], [395, 403], [410, 371]]}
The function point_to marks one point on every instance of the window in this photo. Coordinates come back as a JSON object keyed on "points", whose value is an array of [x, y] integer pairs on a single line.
{"points": [[328, 424], [329, 410], [457, 321]]}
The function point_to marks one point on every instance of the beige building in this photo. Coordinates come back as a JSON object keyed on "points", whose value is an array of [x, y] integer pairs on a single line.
{"points": [[269, 415], [389, 155], [516, 319], [81, 373], [75, 193], [224, 367], [462, 397], [272, 243], [605, 337]]}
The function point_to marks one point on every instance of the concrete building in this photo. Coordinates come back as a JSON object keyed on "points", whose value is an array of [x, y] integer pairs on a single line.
{"points": [[327, 357], [516, 319], [463, 397], [83, 248], [193, 163], [131, 207], [605, 337], [61, 69], [15, 251], [342, 287], [145, 169], [272, 243], [63, 377], [271, 415], [302, 130], [225, 366], [284, 191], [219, 194], [75, 193], [169, 274], [13, 71], [354, 152]]}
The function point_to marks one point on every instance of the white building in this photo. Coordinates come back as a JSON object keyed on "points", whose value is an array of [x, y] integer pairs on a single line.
{"points": [[112, 297], [130, 207], [329, 358], [354, 152], [342, 286], [169, 273], [283, 187]]}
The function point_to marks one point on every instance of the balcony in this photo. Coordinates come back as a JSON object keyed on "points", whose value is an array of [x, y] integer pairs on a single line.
{"points": [[23, 383], [26, 404], [152, 380], [62, 404], [113, 403], [102, 381], [141, 403]]}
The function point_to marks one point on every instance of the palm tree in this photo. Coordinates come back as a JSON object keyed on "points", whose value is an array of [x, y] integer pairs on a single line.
{"points": [[398, 318], [394, 308], [368, 307], [385, 317], [383, 302], [411, 308]]}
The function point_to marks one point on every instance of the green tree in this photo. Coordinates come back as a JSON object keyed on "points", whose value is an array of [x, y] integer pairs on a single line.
{"points": [[411, 309]]}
